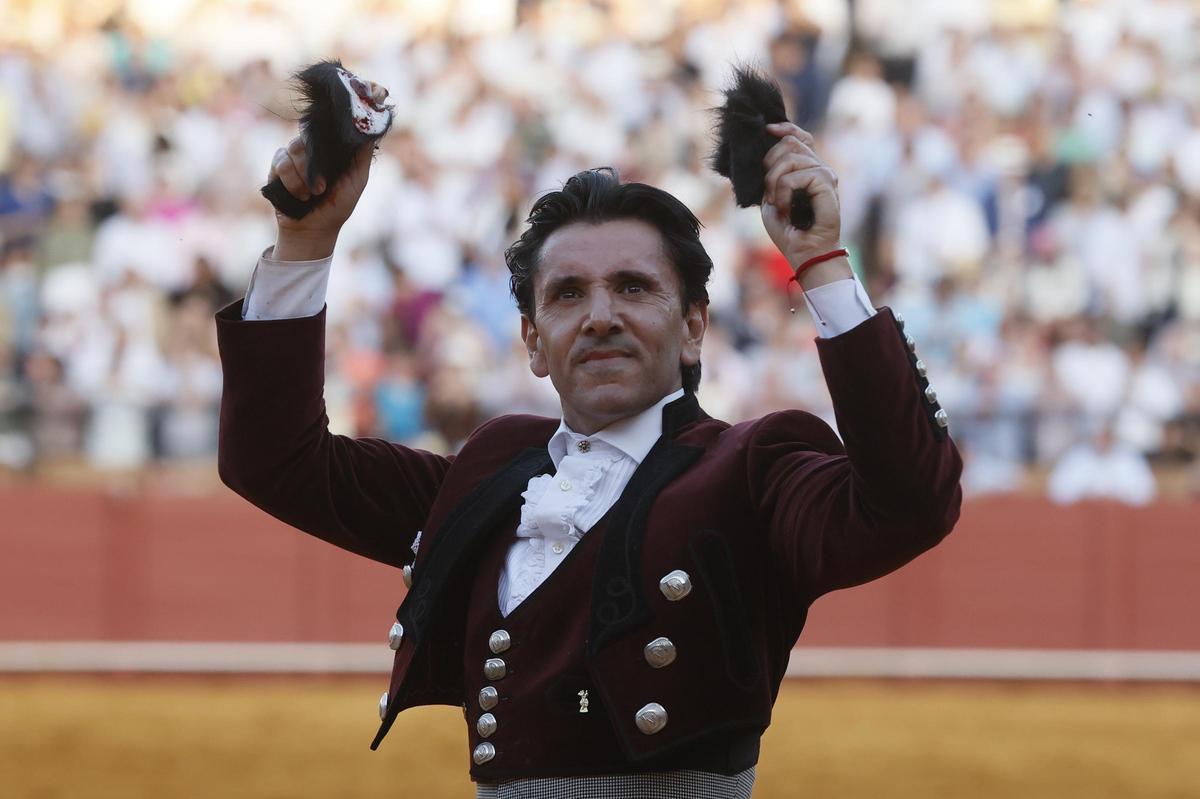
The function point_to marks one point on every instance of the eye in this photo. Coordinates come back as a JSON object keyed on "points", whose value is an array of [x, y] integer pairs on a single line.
{"points": [[634, 287], [568, 294]]}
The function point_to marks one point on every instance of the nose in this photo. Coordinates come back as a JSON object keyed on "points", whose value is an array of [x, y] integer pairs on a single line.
{"points": [[601, 319]]}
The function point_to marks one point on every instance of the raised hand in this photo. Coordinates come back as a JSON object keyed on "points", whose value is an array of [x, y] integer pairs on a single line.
{"points": [[792, 165], [315, 235]]}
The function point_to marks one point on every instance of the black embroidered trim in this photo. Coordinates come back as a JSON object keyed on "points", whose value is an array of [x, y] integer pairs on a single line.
{"points": [[618, 602], [462, 529]]}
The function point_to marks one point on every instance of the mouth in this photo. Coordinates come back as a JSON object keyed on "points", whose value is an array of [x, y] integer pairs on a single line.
{"points": [[602, 355]]}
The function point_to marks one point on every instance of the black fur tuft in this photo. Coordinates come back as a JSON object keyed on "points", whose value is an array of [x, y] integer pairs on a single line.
{"points": [[330, 135], [751, 103]]}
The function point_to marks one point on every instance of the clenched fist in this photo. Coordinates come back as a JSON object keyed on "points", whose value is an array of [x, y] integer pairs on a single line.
{"points": [[792, 165], [315, 235]]}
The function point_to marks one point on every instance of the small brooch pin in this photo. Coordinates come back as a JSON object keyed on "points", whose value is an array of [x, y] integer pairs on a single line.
{"points": [[583, 701]]}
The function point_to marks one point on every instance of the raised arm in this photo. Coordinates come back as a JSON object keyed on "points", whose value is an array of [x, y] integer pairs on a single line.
{"points": [[365, 495], [839, 515]]}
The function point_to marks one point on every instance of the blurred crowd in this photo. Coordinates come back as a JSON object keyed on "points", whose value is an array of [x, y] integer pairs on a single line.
{"points": [[1020, 179]]}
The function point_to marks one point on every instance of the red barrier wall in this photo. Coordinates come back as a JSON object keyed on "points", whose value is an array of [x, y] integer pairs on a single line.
{"points": [[1016, 572]]}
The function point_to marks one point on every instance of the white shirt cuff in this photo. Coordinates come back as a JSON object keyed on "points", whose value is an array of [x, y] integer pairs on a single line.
{"points": [[838, 306], [286, 289]]}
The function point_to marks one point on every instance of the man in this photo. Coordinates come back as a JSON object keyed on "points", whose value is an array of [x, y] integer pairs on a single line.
{"points": [[611, 596]]}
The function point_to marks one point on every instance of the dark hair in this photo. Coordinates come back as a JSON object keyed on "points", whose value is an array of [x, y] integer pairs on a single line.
{"points": [[598, 195]]}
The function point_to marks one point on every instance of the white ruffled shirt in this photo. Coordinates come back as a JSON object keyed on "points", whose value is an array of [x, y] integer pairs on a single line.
{"points": [[560, 508]]}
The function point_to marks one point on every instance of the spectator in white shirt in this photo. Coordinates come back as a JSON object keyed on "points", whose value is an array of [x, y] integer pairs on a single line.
{"points": [[1102, 468]]}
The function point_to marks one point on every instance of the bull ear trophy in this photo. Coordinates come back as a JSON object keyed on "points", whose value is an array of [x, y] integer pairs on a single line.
{"points": [[341, 112], [751, 103]]}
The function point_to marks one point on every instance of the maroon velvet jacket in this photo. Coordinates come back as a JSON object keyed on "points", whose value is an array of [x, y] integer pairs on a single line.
{"points": [[765, 516]]}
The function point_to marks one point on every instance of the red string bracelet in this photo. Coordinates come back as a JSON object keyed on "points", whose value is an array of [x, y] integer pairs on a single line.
{"points": [[811, 262]]}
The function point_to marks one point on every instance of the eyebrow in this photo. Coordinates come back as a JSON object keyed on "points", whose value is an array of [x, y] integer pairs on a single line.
{"points": [[626, 275], [620, 276], [556, 285]]}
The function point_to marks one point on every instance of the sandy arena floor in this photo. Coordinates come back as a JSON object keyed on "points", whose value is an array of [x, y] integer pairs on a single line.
{"points": [[307, 737]]}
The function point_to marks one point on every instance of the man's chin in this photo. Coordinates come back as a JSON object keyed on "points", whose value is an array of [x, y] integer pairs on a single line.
{"points": [[607, 393], [612, 400]]}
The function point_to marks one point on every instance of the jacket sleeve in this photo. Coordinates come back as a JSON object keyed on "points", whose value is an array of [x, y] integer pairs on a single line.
{"points": [[836, 515], [365, 495]]}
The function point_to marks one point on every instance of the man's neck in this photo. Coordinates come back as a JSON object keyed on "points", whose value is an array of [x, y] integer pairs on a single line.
{"points": [[633, 435], [590, 425]]}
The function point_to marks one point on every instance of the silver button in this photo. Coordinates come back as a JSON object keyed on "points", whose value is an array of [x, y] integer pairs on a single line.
{"points": [[494, 669], [942, 418], [675, 585], [584, 446], [660, 652], [383, 706], [930, 395], [395, 636], [499, 641], [651, 718], [920, 367], [488, 697], [407, 572], [911, 342], [486, 725], [558, 548], [899, 318], [483, 753], [565, 485]]}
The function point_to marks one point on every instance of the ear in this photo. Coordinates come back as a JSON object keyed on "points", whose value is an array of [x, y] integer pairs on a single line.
{"points": [[695, 322], [533, 345]]}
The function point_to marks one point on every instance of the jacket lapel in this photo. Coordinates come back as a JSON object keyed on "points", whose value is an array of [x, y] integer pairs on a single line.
{"points": [[618, 602], [470, 521]]}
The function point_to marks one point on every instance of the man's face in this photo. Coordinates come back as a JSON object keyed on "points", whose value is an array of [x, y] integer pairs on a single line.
{"points": [[608, 324]]}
